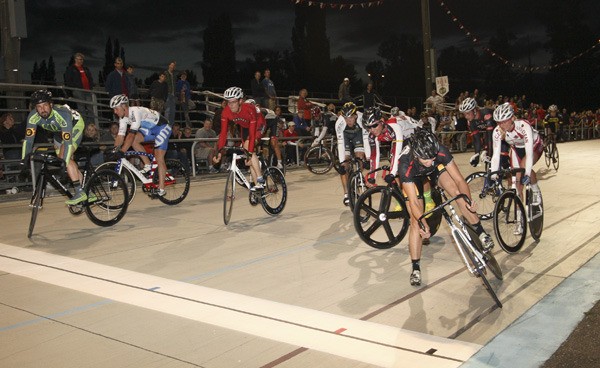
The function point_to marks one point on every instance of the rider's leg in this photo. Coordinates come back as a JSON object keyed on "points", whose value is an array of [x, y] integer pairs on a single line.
{"points": [[137, 145], [159, 154], [276, 149], [344, 177], [254, 165], [415, 245]]}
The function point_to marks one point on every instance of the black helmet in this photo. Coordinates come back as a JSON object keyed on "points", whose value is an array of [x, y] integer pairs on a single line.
{"points": [[348, 109], [40, 96], [424, 144], [372, 117]]}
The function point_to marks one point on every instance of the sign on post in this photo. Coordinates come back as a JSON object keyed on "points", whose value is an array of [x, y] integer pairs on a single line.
{"points": [[442, 86]]}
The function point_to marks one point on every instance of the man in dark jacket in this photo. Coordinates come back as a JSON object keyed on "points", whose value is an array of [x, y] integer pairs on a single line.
{"points": [[79, 76]]}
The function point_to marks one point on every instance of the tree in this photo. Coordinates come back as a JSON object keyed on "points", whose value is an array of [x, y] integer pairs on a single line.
{"points": [[404, 69], [112, 50], [218, 58], [51, 73]]}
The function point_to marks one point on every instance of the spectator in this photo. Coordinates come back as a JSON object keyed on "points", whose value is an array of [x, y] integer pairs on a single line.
{"points": [[186, 147], [113, 130], [370, 97], [134, 96], [304, 106], [174, 150], [301, 126], [158, 92], [290, 145], [79, 76], [116, 81], [344, 91], [271, 96], [206, 150], [460, 138], [183, 90], [427, 122], [258, 91], [170, 102], [9, 135], [91, 134], [435, 101]]}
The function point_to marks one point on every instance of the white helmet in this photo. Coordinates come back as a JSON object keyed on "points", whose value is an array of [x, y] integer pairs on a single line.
{"points": [[251, 101], [503, 112], [553, 108], [118, 100], [233, 93], [395, 111], [467, 105]]}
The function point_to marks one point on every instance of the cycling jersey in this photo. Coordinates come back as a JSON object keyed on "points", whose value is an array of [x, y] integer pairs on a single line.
{"points": [[147, 122], [65, 124], [407, 125], [411, 169], [351, 139], [522, 137], [552, 122], [477, 128], [246, 119], [390, 133]]}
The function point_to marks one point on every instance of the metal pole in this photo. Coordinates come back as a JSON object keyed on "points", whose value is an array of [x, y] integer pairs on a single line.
{"points": [[426, 45]]}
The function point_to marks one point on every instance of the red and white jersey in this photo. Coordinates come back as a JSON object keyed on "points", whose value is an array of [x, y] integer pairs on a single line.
{"points": [[390, 133], [247, 118], [521, 136], [406, 123]]}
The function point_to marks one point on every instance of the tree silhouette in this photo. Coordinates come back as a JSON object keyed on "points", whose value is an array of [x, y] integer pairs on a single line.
{"points": [[218, 58]]}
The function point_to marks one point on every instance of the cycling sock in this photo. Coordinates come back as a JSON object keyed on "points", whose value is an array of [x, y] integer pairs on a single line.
{"points": [[427, 196], [260, 179], [77, 186], [535, 188], [278, 162], [478, 228], [416, 264]]}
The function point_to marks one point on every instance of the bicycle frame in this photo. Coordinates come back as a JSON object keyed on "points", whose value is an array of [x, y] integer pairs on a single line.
{"points": [[237, 170]]}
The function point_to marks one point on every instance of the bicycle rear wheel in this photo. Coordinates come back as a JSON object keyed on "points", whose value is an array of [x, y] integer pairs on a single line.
{"points": [[36, 202], [318, 160], [127, 175], [108, 198], [177, 183], [479, 269], [490, 260], [555, 157], [381, 218], [274, 193], [510, 220], [356, 187], [482, 193], [229, 197], [536, 217]]}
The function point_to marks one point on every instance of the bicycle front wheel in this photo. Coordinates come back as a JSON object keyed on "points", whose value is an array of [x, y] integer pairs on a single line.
{"points": [[274, 193], [547, 155], [229, 197], [510, 220], [381, 218], [177, 183], [318, 160], [554, 156], [490, 260], [36, 202], [356, 187], [108, 198], [536, 217], [127, 175], [482, 193]]}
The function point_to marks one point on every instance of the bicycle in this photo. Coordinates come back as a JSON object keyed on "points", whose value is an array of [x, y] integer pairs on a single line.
{"points": [[357, 184], [510, 215], [468, 244], [265, 145], [177, 178], [106, 191], [485, 190], [381, 218], [320, 158], [272, 197], [551, 151]]}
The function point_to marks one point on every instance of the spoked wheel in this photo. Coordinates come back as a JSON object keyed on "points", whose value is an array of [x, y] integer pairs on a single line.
{"points": [[108, 198], [36, 202], [318, 160], [356, 187], [510, 222], [274, 194], [536, 217], [554, 157], [229, 197], [381, 218], [177, 183], [490, 260], [483, 192], [127, 175]]}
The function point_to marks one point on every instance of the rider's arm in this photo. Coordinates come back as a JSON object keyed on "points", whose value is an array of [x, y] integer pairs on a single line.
{"points": [[30, 130], [340, 125], [374, 156], [527, 132], [497, 142], [396, 149]]}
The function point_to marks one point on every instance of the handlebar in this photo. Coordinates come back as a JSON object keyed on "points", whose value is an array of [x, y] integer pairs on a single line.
{"points": [[502, 172], [442, 205]]}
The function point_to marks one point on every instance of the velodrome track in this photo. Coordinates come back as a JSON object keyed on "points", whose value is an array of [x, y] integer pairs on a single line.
{"points": [[174, 287]]}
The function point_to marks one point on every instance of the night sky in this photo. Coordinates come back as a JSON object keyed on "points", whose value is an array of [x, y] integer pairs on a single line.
{"points": [[156, 32]]}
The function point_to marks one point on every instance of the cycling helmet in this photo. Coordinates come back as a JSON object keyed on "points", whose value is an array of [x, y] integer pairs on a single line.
{"points": [[233, 93], [372, 117], [348, 109], [424, 144], [467, 105], [553, 108], [424, 114], [315, 112], [395, 111], [118, 100], [503, 112], [41, 96], [251, 101]]}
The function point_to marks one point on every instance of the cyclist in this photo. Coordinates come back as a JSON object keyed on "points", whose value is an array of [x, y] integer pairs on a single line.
{"points": [[67, 127], [379, 131], [351, 137], [552, 122], [477, 127], [145, 125], [526, 147], [427, 158], [406, 123], [245, 117]]}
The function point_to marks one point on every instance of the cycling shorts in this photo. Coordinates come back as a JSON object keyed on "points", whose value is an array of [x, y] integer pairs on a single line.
{"points": [[353, 141], [159, 134]]}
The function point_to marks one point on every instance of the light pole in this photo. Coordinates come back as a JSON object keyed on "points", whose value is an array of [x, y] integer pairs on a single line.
{"points": [[427, 51]]}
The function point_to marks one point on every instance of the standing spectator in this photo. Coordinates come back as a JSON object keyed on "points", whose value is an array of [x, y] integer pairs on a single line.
{"points": [[170, 103], [461, 127], [9, 135], [258, 91], [271, 96], [304, 106], [183, 90], [79, 76], [158, 93], [435, 101], [206, 150], [344, 91], [134, 96], [116, 81], [370, 97]]}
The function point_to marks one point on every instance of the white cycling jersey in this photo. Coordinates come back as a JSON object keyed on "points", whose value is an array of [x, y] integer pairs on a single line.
{"points": [[407, 124], [522, 136], [139, 117], [340, 126]]}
